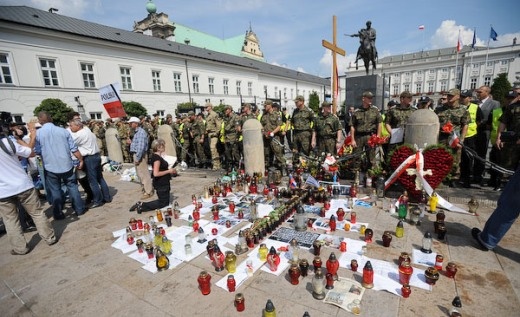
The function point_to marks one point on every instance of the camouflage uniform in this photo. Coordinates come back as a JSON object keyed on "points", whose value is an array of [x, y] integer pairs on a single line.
{"points": [[147, 126], [397, 118], [185, 133], [271, 121], [123, 131], [458, 115], [327, 128], [99, 131], [302, 122], [510, 156], [231, 123], [198, 130], [365, 122], [212, 128]]}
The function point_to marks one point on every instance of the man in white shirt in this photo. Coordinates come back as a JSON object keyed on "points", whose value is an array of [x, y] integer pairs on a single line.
{"points": [[87, 146], [16, 187]]}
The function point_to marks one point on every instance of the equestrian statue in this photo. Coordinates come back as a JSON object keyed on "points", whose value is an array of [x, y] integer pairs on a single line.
{"points": [[367, 48]]}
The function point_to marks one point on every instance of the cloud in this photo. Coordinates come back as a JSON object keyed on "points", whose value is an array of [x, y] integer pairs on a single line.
{"points": [[342, 61], [74, 8]]}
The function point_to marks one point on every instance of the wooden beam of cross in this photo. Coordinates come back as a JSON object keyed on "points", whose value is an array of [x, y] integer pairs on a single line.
{"points": [[335, 50]]}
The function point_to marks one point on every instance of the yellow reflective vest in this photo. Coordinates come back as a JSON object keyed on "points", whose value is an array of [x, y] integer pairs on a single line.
{"points": [[495, 116], [472, 126]]}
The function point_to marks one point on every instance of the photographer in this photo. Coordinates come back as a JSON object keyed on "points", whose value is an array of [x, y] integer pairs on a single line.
{"points": [[510, 122], [17, 188]]}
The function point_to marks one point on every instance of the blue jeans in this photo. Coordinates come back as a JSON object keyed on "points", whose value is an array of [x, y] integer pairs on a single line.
{"points": [[96, 181], [54, 181], [507, 211]]}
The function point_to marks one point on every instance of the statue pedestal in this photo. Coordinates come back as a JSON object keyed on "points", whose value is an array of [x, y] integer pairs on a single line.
{"points": [[356, 86]]}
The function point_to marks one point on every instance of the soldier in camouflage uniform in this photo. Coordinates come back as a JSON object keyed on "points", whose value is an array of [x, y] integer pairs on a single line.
{"points": [[303, 122], [147, 126], [397, 117], [198, 132], [459, 117], [328, 130], [123, 131], [231, 133], [212, 129], [271, 125], [99, 131], [364, 122]]}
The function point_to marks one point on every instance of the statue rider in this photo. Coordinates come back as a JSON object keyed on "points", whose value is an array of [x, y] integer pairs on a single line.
{"points": [[368, 33]]}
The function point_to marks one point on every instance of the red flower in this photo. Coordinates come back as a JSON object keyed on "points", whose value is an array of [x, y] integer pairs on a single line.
{"points": [[447, 128]]}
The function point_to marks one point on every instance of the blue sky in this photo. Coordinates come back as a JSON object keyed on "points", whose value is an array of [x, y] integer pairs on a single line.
{"points": [[290, 31]]}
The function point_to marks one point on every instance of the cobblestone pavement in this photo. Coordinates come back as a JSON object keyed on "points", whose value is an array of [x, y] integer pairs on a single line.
{"points": [[82, 275]]}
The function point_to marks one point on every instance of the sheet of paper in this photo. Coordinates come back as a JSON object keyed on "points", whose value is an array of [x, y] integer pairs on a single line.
{"points": [[397, 135]]}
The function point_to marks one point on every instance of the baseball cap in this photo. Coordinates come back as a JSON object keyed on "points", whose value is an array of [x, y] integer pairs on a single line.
{"points": [[368, 94], [326, 104], [134, 119], [466, 93], [268, 102], [424, 99], [191, 113], [511, 94], [453, 92], [299, 98], [228, 107]]}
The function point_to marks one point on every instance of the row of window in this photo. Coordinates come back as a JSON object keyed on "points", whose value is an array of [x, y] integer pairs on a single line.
{"points": [[445, 70], [50, 78], [443, 85]]}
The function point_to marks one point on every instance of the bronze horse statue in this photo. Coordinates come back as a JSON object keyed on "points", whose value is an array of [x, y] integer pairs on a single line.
{"points": [[368, 53]]}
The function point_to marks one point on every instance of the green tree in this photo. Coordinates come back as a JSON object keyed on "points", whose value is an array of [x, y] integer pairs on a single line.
{"points": [[219, 108], [184, 107], [314, 101], [134, 109], [500, 87], [56, 108]]}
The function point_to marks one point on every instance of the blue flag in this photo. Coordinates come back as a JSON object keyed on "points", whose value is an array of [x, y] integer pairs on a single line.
{"points": [[474, 39], [493, 34]]}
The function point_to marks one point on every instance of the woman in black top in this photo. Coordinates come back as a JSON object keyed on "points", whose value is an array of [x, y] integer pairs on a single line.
{"points": [[161, 180]]}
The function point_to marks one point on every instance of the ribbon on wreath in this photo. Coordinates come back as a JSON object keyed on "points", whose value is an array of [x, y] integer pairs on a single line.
{"points": [[420, 181]]}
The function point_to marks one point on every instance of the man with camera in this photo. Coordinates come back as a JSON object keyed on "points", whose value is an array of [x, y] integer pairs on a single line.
{"points": [[508, 138], [17, 188]]}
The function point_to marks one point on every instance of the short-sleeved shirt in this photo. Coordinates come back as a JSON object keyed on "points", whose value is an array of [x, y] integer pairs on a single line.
{"points": [[397, 117], [327, 126], [231, 124], [270, 121], [302, 119], [458, 115], [366, 120], [164, 179]]}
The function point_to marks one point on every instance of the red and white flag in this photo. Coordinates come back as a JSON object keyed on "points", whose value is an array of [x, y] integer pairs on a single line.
{"points": [[459, 43], [421, 27], [110, 98], [454, 140]]}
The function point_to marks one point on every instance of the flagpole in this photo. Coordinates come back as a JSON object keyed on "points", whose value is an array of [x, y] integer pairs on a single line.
{"points": [[472, 51], [457, 60], [487, 51]]}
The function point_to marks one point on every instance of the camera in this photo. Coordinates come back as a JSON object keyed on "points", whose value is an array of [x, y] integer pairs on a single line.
{"points": [[509, 136], [5, 121]]}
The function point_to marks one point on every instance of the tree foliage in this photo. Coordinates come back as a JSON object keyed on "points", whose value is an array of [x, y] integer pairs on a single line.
{"points": [[56, 108], [219, 108], [500, 87], [314, 101], [134, 109]]}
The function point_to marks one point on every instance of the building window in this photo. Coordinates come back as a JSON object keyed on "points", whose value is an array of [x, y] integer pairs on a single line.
{"points": [[476, 65], [444, 85], [160, 113], [292, 93], [487, 81], [444, 70], [419, 72], [156, 80], [473, 83], [87, 72], [126, 79], [95, 115], [406, 87], [489, 64], [265, 91], [275, 92], [225, 84], [418, 88], [504, 62], [239, 88], [432, 71], [285, 93], [211, 85], [396, 75], [50, 75], [5, 70], [431, 86], [249, 88], [396, 90], [195, 80], [177, 82]]}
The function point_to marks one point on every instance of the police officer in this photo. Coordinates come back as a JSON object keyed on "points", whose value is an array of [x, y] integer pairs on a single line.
{"points": [[397, 117], [271, 126], [303, 122], [231, 133], [470, 141], [510, 121], [365, 122], [328, 130]]}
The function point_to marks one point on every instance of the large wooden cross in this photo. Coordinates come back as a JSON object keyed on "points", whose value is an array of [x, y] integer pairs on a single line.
{"points": [[335, 50]]}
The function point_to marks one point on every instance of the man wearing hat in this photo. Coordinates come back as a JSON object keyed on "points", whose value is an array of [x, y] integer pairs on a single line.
{"points": [[458, 116], [328, 130], [487, 104], [396, 118], [139, 150], [271, 125], [303, 123], [510, 121], [123, 132], [198, 132], [475, 115], [365, 122], [187, 145], [231, 128], [424, 102]]}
